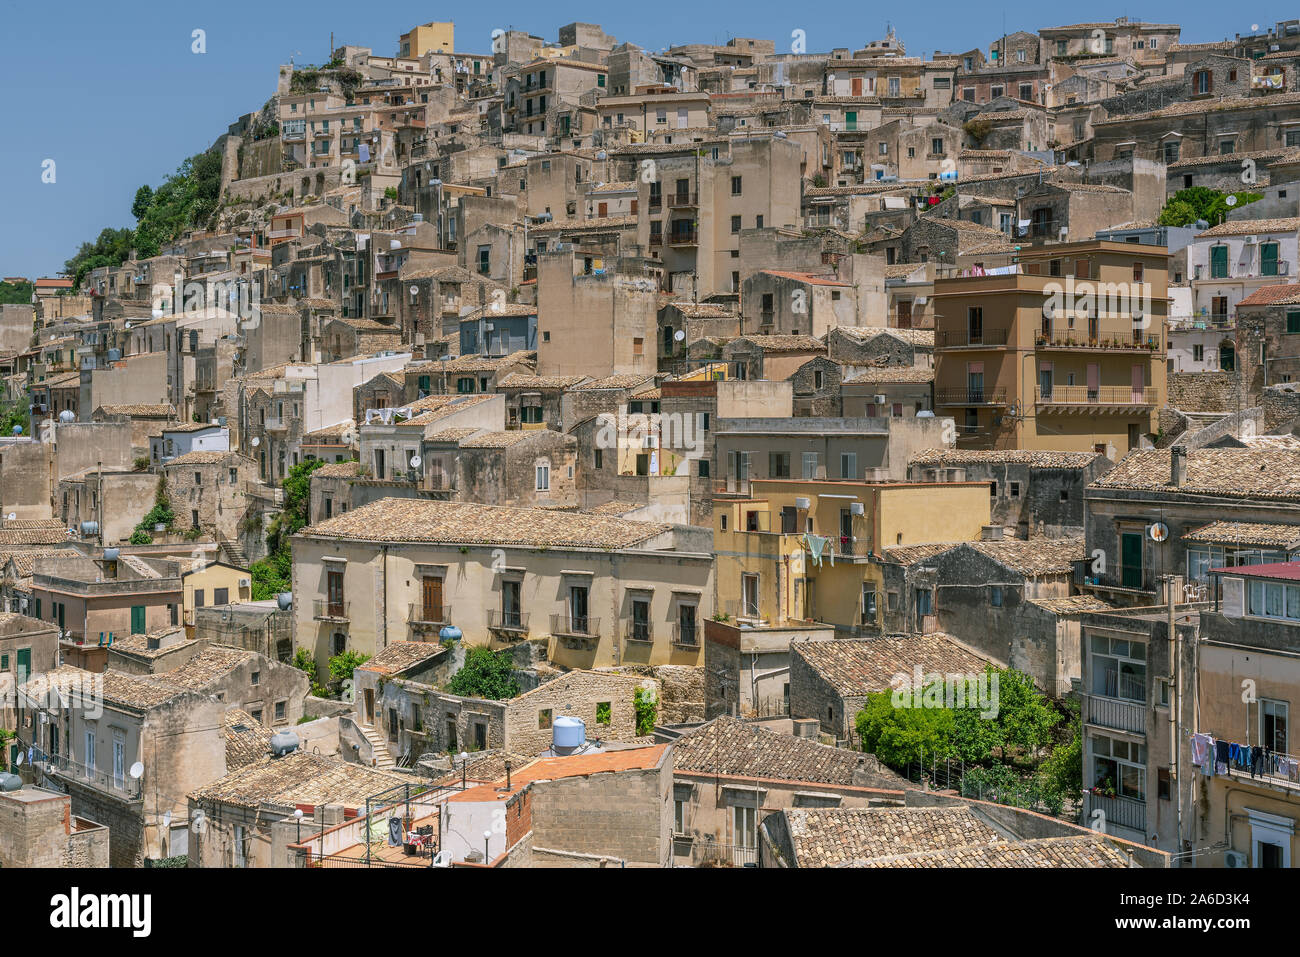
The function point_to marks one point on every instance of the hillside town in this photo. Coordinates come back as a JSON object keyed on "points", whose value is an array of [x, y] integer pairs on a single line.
{"points": [[543, 451]]}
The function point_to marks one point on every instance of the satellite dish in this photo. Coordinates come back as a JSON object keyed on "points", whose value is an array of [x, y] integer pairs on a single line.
{"points": [[1049, 311], [11, 516], [256, 441], [1231, 200], [127, 326], [415, 461], [415, 290], [679, 335], [1158, 531], [137, 771]]}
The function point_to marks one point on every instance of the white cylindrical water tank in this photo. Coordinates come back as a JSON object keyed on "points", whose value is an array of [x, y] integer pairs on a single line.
{"points": [[568, 732]]}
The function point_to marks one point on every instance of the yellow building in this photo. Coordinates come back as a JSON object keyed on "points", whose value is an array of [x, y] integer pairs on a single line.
{"points": [[428, 38], [802, 550], [214, 583], [1066, 353]]}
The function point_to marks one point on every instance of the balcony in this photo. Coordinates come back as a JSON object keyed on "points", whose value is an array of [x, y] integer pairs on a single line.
{"points": [[423, 617], [325, 610], [683, 237], [510, 623], [686, 635], [971, 396], [275, 423], [1109, 343], [1116, 713], [285, 233], [656, 239], [640, 631], [584, 631], [1118, 811], [120, 785], [972, 338], [852, 548], [679, 200], [1071, 397]]}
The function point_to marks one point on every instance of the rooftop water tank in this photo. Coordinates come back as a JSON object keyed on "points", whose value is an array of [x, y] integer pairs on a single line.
{"points": [[114, 355], [110, 554], [91, 528], [450, 633], [284, 600], [67, 415], [283, 742], [568, 734], [10, 782]]}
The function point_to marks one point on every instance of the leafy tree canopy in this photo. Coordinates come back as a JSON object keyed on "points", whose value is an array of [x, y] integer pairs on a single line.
{"points": [[486, 674]]}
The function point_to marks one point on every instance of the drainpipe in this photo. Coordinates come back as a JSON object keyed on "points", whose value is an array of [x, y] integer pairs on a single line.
{"points": [[1174, 712], [384, 592]]}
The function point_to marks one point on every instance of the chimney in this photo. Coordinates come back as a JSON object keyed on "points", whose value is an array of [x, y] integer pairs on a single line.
{"points": [[1178, 466]]}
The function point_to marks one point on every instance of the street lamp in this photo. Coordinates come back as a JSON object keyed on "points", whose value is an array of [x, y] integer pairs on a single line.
{"points": [[297, 813], [487, 836], [464, 758]]}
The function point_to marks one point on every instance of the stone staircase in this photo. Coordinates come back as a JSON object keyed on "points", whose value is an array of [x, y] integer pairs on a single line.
{"points": [[383, 759], [235, 553]]}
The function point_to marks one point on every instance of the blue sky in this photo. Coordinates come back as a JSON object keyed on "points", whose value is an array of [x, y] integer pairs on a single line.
{"points": [[113, 94]]}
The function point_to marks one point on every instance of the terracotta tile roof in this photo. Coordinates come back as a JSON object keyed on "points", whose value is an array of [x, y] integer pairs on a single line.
{"points": [[888, 374], [1246, 533], [521, 380], [413, 520], [858, 666], [1049, 852], [807, 277], [198, 458], [1286, 293], [783, 343], [401, 655], [702, 310], [137, 646], [911, 554], [1072, 604], [729, 746], [626, 380], [138, 692], [1232, 473], [298, 778], [141, 411], [615, 508], [451, 435], [208, 666], [338, 470], [247, 739], [47, 532], [630, 185], [582, 225], [916, 337], [1229, 159], [24, 562], [1036, 556], [838, 837], [949, 458], [498, 440], [1240, 227]]}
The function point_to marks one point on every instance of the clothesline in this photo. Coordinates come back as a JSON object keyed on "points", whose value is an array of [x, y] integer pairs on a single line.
{"points": [[1218, 756]]}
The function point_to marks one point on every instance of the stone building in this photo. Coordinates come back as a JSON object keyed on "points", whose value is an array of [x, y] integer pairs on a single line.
{"points": [[38, 829]]}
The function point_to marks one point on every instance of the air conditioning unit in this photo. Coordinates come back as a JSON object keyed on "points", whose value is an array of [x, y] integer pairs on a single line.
{"points": [[1234, 859], [881, 400], [245, 582], [1251, 240]]}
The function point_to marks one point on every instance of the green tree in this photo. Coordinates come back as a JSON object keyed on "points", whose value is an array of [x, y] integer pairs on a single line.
{"points": [[274, 574], [1188, 205], [646, 706], [16, 293], [1025, 716], [900, 735], [485, 674], [1062, 771], [143, 197], [343, 664], [110, 248], [11, 415]]}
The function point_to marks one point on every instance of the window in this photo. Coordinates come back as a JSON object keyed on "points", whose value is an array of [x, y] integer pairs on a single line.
{"points": [[599, 459], [679, 817], [1266, 599], [868, 604], [640, 620], [221, 596], [995, 596], [1171, 151], [745, 834], [544, 477], [1015, 490], [1118, 667], [1118, 766], [1202, 82], [1273, 724], [735, 186], [735, 224], [848, 465], [704, 468], [544, 719], [936, 145], [778, 465], [198, 598], [924, 602], [1293, 321]]}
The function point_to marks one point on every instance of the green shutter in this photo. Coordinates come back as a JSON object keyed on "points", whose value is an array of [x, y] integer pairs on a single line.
{"points": [[1219, 262]]}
